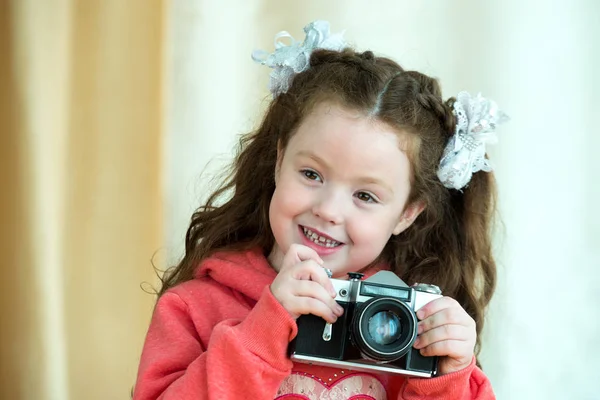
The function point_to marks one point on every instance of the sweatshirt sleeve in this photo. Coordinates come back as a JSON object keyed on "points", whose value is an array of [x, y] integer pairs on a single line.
{"points": [[243, 359], [469, 383]]}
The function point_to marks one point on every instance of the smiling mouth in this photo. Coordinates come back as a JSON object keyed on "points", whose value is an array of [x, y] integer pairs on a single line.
{"points": [[320, 240]]}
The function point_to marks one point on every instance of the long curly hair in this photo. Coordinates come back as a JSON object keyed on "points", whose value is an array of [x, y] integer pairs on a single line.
{"points": [[449, 244]]}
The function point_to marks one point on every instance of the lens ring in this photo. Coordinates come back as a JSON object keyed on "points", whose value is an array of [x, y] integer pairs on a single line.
{"points": [[367, 345]]}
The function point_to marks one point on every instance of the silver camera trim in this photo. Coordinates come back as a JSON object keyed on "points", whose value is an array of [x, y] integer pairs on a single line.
{"points": [[420, 295], [358, 365]]}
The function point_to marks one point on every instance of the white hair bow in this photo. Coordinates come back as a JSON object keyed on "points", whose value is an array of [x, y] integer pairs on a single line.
{"points": [[288, 60], [476, 121]]}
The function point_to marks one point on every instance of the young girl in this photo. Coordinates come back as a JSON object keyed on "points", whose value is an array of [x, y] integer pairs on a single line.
{"points": [[358, 165]]}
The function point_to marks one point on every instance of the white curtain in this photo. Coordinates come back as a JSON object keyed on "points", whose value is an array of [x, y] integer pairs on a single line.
{"points": [[539, 60]]}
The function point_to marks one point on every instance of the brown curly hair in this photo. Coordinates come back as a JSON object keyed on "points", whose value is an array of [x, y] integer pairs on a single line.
{"points": [[449, 244]]}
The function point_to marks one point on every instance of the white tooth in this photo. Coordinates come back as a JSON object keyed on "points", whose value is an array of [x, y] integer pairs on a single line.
{"points": [[318, 239]]}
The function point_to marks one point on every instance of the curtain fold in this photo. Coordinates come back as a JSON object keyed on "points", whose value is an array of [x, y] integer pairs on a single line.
{"points": [[81, 128]]}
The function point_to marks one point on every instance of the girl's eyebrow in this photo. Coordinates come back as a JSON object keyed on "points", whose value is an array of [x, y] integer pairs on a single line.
{"points": [[362, 180], [375, 181], [311, 155]]}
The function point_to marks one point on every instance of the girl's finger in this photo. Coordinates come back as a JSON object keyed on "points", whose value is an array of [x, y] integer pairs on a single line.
{"points": [[443, 333], [309, 305], [298, 253], [309, 270], [452, 348], [316, 291], [436, 306], [454, 316]]}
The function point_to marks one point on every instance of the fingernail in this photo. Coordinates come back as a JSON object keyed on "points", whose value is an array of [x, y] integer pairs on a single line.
{"points": [[333, 293], [419, 328], [420, 314], [339, 310], [416, 344]]}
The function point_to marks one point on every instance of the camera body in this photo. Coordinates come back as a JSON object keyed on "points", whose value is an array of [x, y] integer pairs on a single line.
{"points": [[376, 331]]}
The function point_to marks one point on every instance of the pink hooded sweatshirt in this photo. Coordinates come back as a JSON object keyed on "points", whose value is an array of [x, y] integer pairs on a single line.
{"points": [[224, 336]]}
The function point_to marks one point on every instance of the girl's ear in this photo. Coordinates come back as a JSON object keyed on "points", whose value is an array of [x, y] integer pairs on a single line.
{"points": [[411, 212]]}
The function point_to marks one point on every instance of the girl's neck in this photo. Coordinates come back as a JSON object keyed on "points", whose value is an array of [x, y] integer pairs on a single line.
{"points": [[275, 258]]}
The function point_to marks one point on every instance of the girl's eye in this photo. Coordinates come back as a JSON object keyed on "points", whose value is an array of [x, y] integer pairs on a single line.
{"points": [[366, 197], [310, 174]]}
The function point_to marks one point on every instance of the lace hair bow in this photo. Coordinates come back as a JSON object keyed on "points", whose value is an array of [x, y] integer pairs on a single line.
{"points": [[288, 60], [476, 121]]}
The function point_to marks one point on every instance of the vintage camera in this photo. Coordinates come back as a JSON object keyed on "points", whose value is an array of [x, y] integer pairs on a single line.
{"points": [[376, 331]]}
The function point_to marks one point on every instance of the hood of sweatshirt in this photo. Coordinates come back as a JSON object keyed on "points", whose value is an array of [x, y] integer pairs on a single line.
{"points": [[247, 272]]}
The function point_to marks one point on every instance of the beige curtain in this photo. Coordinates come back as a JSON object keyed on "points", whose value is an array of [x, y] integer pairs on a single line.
{"points": [[81, 203]]}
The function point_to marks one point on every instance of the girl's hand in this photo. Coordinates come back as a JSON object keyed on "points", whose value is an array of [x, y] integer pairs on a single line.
{"points": [[446, 330], [303, 287]]}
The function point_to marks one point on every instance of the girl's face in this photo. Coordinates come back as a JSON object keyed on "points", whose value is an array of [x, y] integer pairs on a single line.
{"points": [[342, 185]]}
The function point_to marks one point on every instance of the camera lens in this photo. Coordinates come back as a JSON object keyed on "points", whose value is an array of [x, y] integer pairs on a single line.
{"points": [[384, 328]]}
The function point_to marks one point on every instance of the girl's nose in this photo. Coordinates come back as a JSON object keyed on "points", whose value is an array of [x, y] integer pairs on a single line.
{"points": [[329, 208]]}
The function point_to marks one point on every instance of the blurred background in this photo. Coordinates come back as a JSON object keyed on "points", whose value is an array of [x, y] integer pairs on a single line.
{"points": [[114, 116]]}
